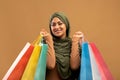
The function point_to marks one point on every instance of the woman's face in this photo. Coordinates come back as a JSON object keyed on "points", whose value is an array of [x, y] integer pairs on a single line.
{"points": [[58, 28]]}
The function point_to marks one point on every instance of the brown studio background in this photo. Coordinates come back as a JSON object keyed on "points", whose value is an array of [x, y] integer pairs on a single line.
{"points": [[22, 20]]}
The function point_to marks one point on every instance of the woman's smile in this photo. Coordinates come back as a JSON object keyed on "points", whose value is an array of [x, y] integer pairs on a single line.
{"points": [[58, 28]]}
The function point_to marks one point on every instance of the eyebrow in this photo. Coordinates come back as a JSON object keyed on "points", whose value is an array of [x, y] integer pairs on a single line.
{"points": [[57, 22]]}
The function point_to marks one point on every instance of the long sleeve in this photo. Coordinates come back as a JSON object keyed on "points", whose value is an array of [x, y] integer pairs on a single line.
{"points": [[51, 61], [75, 55]]}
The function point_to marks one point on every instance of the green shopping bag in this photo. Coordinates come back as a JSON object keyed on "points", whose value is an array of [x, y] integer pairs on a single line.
{"points": [[41, 67]]}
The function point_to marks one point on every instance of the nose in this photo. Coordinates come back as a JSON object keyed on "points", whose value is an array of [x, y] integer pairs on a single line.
{"points": [[57, 26]]}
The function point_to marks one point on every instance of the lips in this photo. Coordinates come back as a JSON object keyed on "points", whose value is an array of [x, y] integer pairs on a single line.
{"points": [[57, 31]]}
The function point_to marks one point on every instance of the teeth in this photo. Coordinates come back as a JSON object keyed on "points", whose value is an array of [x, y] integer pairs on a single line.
{"points": [[57, 30]]}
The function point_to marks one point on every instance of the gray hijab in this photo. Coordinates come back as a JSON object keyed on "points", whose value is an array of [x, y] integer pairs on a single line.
{"points": [[62, 48]]}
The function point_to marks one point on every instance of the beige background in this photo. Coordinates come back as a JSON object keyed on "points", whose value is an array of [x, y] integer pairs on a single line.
{"points": [[21, 21]]}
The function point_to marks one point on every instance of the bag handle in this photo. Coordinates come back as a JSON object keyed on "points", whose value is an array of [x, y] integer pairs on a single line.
{"points": [[38, 40], [83, 39]]}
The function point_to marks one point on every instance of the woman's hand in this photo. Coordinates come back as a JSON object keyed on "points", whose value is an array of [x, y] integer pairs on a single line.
{"points": [[75, 50], [51, 60], [47, 37], [44, 33], [78, 36]]}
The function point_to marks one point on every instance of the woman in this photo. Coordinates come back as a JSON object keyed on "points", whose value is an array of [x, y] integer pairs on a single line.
{"points": [[63, 56]]}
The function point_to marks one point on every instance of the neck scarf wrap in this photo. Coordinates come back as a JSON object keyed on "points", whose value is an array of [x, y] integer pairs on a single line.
{"points": [[62, 51]]}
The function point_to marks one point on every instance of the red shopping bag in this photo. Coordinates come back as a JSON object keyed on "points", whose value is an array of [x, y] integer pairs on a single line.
{"points": [[20, 67], [26, 47], [95, 70], [103, 68], [16, 70]]}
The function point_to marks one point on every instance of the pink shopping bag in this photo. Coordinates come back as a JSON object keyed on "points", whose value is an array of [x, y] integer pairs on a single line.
{"points": [[103, 68]]}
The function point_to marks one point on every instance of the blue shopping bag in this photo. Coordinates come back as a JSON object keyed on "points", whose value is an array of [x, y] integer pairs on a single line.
{"points": [[85, 70]]}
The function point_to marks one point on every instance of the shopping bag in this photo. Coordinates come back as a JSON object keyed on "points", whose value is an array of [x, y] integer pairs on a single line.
{"points": [[32, 63], [104, 71], [20, 67], [95, 70], [40, 73], [23, 51], [85, 70]]}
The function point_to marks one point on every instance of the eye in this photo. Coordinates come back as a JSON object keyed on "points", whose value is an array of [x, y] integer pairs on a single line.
{"points": [[60, 23], [53, 24]]}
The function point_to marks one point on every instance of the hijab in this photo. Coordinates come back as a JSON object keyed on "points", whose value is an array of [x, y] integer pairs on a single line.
{"points": [[62, 48]]}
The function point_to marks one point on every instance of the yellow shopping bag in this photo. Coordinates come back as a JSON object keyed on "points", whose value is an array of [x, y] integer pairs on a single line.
{"points": [[32, 63]]}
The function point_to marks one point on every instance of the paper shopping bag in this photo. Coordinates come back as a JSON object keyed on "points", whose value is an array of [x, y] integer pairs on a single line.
{"points": [[40, 73], [33, 61], [104, 71], [11, 69], [95, 70], [20, 67], [85, 70], [15, 72], [31, 66]]}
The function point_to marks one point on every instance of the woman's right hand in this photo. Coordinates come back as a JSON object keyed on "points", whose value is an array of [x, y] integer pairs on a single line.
{"points": [[47, 37], [50, 53]]}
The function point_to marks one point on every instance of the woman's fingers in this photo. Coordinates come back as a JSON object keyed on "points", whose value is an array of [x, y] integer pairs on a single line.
{"points": [[79, 34], [43, 32]]}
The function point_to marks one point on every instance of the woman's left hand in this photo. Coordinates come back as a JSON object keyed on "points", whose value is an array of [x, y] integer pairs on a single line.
{"points": [[78, 36]]}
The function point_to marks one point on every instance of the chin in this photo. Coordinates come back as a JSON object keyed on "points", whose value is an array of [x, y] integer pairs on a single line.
{"points": [[58, 36]]}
